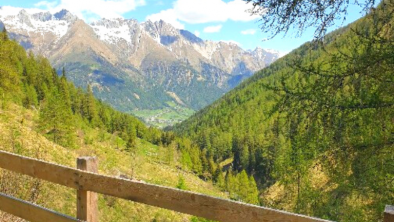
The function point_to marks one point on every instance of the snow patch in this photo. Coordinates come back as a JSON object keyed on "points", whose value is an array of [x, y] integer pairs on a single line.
{"points": [[22, 20], [112, 31], [207, 49]]}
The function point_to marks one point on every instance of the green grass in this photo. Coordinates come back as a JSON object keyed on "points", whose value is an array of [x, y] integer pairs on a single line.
{"points": [[167, 116], [149, 163]]}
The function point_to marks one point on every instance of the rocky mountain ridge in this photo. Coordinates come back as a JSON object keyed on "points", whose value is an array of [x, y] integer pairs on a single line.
{"points": [[134, 65]]}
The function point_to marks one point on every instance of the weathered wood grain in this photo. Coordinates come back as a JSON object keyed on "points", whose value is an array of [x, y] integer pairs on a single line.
{"points": [[164, 197], [389, 214], [87, 208], [29, 211]]}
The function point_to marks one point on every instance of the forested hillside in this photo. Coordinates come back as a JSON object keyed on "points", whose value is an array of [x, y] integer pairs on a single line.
{"points": [[149, 69], [45, 116], [315, 128]]}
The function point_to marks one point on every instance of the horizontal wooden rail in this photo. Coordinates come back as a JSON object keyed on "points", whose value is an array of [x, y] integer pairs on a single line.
{"points": [[389, 214], [181, 201], [29, 211]]}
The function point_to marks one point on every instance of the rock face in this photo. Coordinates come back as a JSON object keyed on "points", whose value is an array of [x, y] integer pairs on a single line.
{"points": [[134, 65], [1, 26]]}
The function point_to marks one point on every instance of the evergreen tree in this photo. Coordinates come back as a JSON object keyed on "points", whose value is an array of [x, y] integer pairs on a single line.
{"points": [[9, 79], [219, 179], [5, 34], [232, 185], [132, 139], [64, 77], [195, 158], [243, 187], [56, 119], [30, 99], [253, 192], [65, 92], [90, 110]]}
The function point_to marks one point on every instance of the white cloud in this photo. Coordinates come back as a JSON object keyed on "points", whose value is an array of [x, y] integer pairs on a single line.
{"points": [[88, 9], [283, 53], [9, 10], [248, 32], [212, 29], [197, 33], [167, 16], [205, 11]]}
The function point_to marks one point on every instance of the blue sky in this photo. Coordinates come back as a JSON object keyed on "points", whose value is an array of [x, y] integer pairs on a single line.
{"points": [[218, 20]]}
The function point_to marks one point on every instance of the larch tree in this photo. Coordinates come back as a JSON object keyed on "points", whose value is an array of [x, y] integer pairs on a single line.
{"points": [[278, 16], [56, 119], [90, 109]]}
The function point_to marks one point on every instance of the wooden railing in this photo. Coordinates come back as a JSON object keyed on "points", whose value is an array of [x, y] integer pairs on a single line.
{"points": [[389, 214], [88, 182]]}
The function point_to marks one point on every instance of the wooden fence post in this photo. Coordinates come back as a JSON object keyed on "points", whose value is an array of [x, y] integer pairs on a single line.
{"points": [[87, 209], [389, 214]]}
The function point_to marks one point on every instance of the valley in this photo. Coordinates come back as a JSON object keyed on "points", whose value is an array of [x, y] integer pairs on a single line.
{"points": [[168, 116], [310, 132], [133, 65]]}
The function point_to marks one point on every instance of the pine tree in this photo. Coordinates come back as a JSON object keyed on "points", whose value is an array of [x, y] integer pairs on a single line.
{"points": [[132, 139], [64, 77], [30, 96], [243, 188], [56, 119], [232, 185], [195, 157], [64, 90], [220, 181], [90, 110], [253, 192], [9, 79], [218, 178], [5, 34]]}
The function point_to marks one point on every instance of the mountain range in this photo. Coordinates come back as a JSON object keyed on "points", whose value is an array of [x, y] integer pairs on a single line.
{"points": [[136, 67]]}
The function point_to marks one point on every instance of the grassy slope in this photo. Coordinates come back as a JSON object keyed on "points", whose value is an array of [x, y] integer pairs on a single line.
{"points": [[18, 135]]}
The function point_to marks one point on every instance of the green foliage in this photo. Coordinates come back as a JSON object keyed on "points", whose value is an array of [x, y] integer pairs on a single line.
{"points": [[9, 73], [132, 139], [181, 183], [325, 108], [73, 117], [241, 187], [89, 107], [31, 97], [56, 119], [199, 219], [252, 195], [66, 111]]}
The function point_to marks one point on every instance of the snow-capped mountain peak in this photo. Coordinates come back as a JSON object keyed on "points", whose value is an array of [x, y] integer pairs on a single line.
{"points": [[123, 57], [29, 21], [114, 30], [65, 15]]}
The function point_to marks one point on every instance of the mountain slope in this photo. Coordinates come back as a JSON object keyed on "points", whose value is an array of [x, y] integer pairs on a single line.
{"points": [[44, 116], [315, 127], [23, 139], [136, 66]]}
